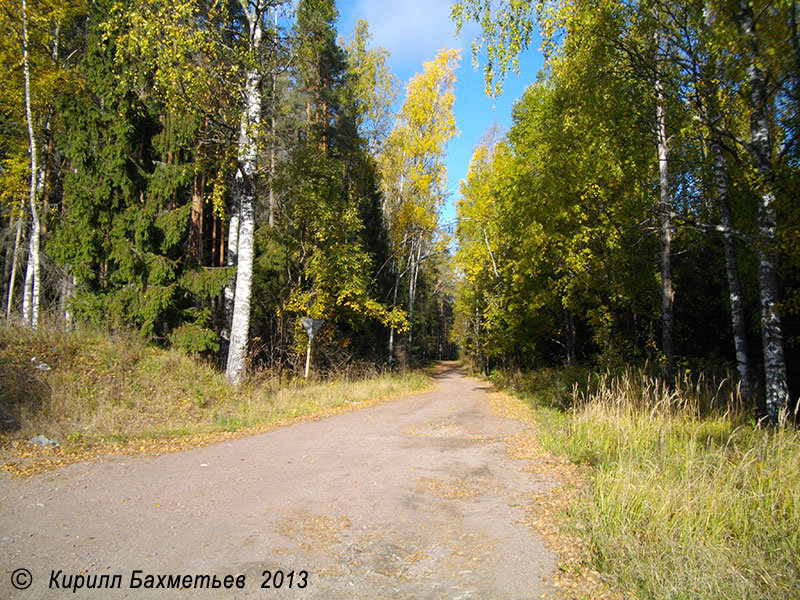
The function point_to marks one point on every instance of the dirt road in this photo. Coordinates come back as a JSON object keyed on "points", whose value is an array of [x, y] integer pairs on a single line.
{"points": [[413, 498]]}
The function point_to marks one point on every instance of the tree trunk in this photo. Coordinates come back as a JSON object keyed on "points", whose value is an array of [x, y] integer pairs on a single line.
{"points": [[221, 246], [394, 304], [710, 109], [244, 189], [760, 148], [30, 301], [272, 139], [67, 293], [196, 235], [571, 336], [30, 297], [7, 259], [413, 266], [795, 41], [665, 253], [13, 277], [738, 320], [231, 261], [214, 226]]}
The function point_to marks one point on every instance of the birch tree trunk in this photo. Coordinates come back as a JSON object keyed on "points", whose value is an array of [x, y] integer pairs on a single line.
{"points": [[14, 260], [231, 260], [710, 110], [272, 140], [245, 192], [760, 148], [665, 253], [394, 304], [30, 300], [738, 321], [413, 264], [398, 273]]}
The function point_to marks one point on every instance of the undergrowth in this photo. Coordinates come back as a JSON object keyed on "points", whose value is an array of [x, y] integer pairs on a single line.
{"points": [[89, 388], [689, 497]]}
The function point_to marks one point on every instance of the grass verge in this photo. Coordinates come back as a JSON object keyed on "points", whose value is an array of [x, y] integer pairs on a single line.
{"points": [[684, 499], [97, 393]]}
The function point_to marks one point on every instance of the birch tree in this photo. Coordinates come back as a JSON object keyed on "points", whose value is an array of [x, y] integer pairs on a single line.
{"points": [[760, 149], [414, 174], [373, 91], [243, 220], [664, 209], [31, 300], [708, 100]]}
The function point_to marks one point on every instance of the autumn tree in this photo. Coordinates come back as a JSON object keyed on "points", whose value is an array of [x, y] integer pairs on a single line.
{"points": [[333, 230], [373, 90], [35, 42], [242, 228], [707, 65], [414, 175]]}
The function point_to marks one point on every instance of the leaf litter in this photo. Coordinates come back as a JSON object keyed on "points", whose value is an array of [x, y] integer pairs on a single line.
{"points": [[548, 511]]}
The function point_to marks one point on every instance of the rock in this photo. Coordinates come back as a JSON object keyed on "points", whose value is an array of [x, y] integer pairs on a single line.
{"points": [[40, 440], [37, 364]]}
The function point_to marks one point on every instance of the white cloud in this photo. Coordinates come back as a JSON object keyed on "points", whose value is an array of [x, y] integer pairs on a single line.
{"points": [[413, 31]]}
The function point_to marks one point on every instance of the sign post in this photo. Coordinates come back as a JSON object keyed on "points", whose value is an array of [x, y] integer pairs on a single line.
{"points": [[312, 327]]}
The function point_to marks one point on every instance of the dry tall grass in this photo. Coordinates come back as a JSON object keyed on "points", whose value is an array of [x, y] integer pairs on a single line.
{"points": [[111, 388], [688, 498]]}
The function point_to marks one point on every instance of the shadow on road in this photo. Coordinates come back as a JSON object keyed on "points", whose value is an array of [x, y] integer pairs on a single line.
{"points": [[446, 368]]}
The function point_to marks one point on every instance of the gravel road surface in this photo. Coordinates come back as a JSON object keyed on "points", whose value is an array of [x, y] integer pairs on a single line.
{"points": [[412, 498]]}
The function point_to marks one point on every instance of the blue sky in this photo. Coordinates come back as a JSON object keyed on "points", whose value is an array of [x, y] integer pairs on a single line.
{"points": [[414, 31]]}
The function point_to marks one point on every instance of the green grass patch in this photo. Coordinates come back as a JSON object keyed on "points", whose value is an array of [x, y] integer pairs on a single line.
{"points": [[109, 389], [688, 498]]}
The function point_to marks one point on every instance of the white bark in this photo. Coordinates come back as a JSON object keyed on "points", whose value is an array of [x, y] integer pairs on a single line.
{"points": [[777, 388], [412, 266], [272, 140], [738, 321], [240, 323], [244, 189], [14, 260], [414, 260], [394, 304], [667, 293], [30, 297], [231, 261], [397, 275], [713, 119], [30, 301]]}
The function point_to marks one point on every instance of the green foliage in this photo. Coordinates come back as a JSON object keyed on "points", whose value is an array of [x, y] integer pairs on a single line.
{"points": [[196, 336], [373, 89], [326, 242], [556, 240], [126, 217], [507, 29], [550, 241], [414, 186], [138, 107]]}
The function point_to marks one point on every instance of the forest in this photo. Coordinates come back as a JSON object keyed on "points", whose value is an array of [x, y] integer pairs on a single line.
{"points": [[207, 172], [643, 208], [184, 183]]}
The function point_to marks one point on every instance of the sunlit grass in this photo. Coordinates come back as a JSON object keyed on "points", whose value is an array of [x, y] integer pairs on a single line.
{"points": [[111, 389], [688, 499]]}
